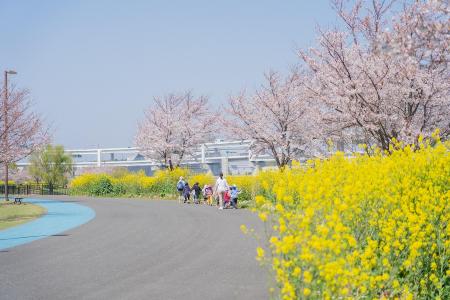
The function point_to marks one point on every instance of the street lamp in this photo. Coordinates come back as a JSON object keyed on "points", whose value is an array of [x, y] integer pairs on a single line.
{"points": [[5, 134]]}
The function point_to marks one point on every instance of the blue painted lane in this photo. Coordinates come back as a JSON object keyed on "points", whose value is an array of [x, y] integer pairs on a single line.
{"points": [[61, 216]]}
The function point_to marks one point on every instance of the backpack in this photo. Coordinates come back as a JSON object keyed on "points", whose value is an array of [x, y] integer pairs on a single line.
{"points": [[180, 185]]}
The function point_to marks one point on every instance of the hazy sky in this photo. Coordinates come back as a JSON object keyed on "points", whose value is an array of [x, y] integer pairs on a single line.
{"points": [[93, 66]]}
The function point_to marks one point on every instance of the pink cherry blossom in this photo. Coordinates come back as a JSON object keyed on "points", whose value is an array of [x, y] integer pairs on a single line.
{"points": [[385, 75], [24, 131], [277, 118], [173, 126]]}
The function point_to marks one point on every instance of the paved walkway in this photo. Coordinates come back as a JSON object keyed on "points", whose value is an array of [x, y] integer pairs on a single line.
{"points": [[61, 216], [136, 249]]}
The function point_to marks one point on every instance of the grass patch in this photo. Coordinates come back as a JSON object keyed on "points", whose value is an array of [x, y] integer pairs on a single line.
{"points": [[14, 214]]}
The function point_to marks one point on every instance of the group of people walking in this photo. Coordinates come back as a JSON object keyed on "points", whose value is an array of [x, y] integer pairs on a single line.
{"points": [[223, 195]]}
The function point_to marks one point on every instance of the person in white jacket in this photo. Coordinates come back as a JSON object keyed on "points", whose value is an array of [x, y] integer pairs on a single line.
{"points": [[221, 188]]}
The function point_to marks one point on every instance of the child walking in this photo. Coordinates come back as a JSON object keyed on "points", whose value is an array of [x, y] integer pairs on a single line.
{"points": [[234, 192], [197, 190], [208, 194], [227, 199], [187, 192]]}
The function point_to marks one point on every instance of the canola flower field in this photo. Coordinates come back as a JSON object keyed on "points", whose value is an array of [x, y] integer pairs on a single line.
{"points": [[161, 185], [367, 227]]}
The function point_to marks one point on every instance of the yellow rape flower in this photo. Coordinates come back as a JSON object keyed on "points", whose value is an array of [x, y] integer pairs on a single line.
{"points": [[365, 226], [259, 253], [263, 216]]}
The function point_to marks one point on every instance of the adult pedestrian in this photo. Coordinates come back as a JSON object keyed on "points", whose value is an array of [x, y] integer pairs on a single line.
{"points": [[221, 188], [180, 188]]}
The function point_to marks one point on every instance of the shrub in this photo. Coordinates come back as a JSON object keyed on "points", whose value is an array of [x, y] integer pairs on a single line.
{"points": [[165, 181], [81, 185], [162, 184], [101, 186]]}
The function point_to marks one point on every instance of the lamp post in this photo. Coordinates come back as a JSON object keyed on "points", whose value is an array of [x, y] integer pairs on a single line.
{"points": [[5, 134]]}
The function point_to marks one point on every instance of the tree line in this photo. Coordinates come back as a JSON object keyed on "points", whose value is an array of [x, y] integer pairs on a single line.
{"points": [[380, 76]]}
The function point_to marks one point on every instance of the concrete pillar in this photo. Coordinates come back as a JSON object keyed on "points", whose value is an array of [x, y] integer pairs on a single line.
{"points": [[203, 149], [224, 166], [99, 157]]}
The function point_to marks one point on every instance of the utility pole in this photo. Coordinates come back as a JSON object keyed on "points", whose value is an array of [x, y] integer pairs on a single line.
{"points": [[5, 135]]}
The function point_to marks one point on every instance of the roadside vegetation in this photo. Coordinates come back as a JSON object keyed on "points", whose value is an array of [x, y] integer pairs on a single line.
{"points": [[162, 185], [12, 214], [51, 166], [369, 227]]}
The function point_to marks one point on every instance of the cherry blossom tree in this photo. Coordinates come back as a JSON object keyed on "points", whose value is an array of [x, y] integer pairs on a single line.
{"points": [[24, 131], [276, 118], [21, 129], [385, 75], [173, 127]]}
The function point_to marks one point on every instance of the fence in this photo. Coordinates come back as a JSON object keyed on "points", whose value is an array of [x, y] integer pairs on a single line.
{"points": [[33, 189]]}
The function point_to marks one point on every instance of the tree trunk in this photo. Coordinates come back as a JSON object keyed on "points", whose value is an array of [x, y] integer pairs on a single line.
{"points": [[6, 181]]}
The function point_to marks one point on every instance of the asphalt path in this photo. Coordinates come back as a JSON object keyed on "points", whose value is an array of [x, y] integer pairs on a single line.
{"points": [[140, 249]]}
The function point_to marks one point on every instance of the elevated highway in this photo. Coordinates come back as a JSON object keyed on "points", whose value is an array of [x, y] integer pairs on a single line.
{"points": [[232, 157]]}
